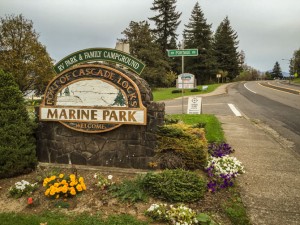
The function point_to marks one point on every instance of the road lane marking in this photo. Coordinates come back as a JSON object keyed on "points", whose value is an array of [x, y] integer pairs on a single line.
{"points": [[234, 110], [249, 89]]}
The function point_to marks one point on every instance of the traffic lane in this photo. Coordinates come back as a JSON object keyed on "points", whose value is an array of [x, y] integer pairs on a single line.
{"points": [[284, 119], [254, 87], [280, 88]]}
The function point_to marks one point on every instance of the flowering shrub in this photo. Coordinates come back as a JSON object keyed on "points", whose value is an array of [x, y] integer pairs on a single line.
{"points": [[180, 215], [21, 188], [222, 171], [158, 212], [219, 150], [103, 182], [63, 186]]}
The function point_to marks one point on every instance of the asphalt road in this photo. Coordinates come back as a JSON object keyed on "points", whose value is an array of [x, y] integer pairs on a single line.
{"points": [[274, 105]]}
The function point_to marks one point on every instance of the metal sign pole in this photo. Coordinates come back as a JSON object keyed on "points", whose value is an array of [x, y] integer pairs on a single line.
{"points": [[182, 71]]}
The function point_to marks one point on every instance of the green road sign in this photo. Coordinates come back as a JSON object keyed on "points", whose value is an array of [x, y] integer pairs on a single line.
{"points": [[100, 54], [182, 52]]}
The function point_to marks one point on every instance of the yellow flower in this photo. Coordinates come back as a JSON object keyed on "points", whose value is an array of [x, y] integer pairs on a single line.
{"points": [[79, 187], [47, 192], [72, 177], [61, 175], [52, 192], [64, 189], [83, 186], [64, 182], [56, 184], [81, 180], [73, 191], [52, 178]]}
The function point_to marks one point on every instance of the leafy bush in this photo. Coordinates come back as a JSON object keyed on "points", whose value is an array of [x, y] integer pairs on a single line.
{"points": [[17, 143], [175, 185], [181, 146], [195, 90], [129, 190], [177, 91]]}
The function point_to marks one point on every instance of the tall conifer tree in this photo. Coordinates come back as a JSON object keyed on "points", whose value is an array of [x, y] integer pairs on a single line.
{"points": [[166, 21], [143, 46], [225, 49], [198, 34], [276, 72]]}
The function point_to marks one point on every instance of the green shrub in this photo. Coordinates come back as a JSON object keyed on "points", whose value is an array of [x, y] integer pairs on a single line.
{"points": [[195, 90], [181, 146], [129, 190], [17, 143], [177, 91], [175, 185]]}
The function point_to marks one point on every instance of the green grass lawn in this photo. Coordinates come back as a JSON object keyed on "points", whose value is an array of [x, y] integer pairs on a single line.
{"points": [[166, 93], [296, 80], [57, 218]]}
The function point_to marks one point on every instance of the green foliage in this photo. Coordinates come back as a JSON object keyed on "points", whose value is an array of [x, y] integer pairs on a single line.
{"points": [[181, 146], [63, 219], [213, 128], [198, 34], [22, 188], [205, 219], [195, 90], [23, 55], [175, 185], [236, 212], [276, 72], [129, 191], [143, 46], [17, 143], [160, 94], [225, 47], [166, 22], [176, 91], [295, 63]]}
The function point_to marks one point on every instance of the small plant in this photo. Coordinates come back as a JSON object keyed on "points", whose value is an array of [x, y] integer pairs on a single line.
{"points": [[195, 90], [222, 171], [63, 186], [177, 91], [129, 190], [219, 149], [103, 182], [21, 188], [175, 185], [181, 215], [177, 215], [158, 212]]}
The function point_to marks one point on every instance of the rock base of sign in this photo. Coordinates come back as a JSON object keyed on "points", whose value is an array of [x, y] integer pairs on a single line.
{"points": [[129, 146]]}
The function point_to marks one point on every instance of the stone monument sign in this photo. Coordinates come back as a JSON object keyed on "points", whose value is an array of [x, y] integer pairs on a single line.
{"points": [[97, 113]]}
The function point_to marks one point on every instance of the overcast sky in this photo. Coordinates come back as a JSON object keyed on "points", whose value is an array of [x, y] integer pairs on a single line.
{"points": [[268, 30]]}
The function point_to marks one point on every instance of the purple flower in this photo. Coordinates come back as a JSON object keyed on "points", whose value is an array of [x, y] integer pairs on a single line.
{"points": [[219, 149]]}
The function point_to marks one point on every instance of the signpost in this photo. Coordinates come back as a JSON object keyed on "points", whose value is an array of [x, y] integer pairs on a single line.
{"points": [[194, 105], [182, 53]]}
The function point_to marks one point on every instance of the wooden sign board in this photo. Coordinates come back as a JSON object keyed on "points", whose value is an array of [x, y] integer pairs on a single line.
{"points": [[93, 98]]}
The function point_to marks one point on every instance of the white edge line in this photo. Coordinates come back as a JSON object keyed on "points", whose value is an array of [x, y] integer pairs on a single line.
{"points": [[234, 110], [249, 89]]}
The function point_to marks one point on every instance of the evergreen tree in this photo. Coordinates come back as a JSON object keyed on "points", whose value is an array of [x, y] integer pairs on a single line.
{"points": [[143, 46], [198, 34], [22, 55], [166, 22], [225, 47], [276, 72], [17, 144]]}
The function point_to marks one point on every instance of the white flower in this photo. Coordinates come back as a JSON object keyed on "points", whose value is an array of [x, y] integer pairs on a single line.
{"points": [[109, 177], [95, 175]]}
